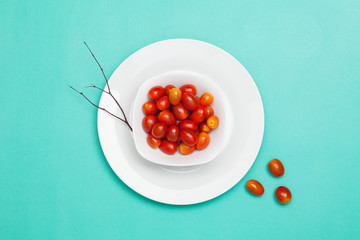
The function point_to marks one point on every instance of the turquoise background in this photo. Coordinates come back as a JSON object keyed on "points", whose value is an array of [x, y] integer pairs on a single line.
{"points": [[55, 182]]}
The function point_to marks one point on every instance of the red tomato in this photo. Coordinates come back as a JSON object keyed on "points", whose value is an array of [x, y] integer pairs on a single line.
{"points": [[168, 147], [276, 167], [212, 122], [175, 96], [188, 124], [167, 89], [180, 112], [203, 141], [209, 112], [206, 99], [198, 114], [149, 108], [163, 103], [156, 93], [255, 187], [204, 127], [148, 122], [167, 117], [159, 130], [173, 134], [189, 137], [153, 142], [283, 195], [185, 149], [189, 101], [188, 88]]}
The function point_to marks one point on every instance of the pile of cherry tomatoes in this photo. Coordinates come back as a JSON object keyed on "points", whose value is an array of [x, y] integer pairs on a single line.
{"points": [[177, 117]]}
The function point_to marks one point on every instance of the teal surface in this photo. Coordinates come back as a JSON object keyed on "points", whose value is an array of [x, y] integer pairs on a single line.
{"points": [[55, 182]]}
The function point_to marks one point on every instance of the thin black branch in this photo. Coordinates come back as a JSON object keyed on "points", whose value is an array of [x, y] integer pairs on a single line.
{"points": [[93, 86], [107, 83], [82, 94]]}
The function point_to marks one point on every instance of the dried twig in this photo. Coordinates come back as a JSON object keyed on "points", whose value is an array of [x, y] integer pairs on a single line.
{"points": [[107, 92]]}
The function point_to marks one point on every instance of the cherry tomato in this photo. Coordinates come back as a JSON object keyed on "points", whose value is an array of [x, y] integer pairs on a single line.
{"points": [[159, 130], [175, 96], [149, 108], [276, 167], [189, 137], [168, 147], [212, 122], [206, 99], [148, 122], [203, 141], [153, 142], [156, 93], [167, 117], [167, 89], [283, 195], [163, 103], [180, 112], [255, 187], [188, 124], [198, 114], [188, 88], [204, 127], [209, 112], [173, 133], [185, 149], [189, 101]]}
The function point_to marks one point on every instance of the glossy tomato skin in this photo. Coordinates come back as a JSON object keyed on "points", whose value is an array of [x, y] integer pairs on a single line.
{"points": [[185, 149], [159, 130], [212, 121], [209, 112], [168, 147], [148, 122], [188, 124], [255, 187], [276, 167], [149, 108], [189, 137], [167, 117], [163, 103], [175, 96], [188, 88], [206, 99], [204, 127], [156, 93], [180, 112], [189, 100], [153, 142], [198, 114], [203, 141], [173, 133], [167, 89], [283, 195]]}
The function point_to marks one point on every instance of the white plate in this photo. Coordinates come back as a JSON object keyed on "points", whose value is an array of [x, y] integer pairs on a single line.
{"points": [[183, 185]]}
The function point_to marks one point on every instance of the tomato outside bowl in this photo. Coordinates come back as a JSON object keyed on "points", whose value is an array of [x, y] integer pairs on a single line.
{"points": [[219, 137]]}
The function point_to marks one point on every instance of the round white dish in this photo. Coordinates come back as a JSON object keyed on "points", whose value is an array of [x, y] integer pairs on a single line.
{"points": [[183, 185], [219, 136]]}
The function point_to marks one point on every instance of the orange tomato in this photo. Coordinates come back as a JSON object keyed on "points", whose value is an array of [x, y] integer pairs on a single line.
{"points": [[153, 141], [185, 149], [175, 96], [202, 141], [255, 187], [212, 122], [204, 127], [206, 99]]}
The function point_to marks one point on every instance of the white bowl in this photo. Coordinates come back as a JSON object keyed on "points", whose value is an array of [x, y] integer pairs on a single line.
{"points": [[218, 137]]}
